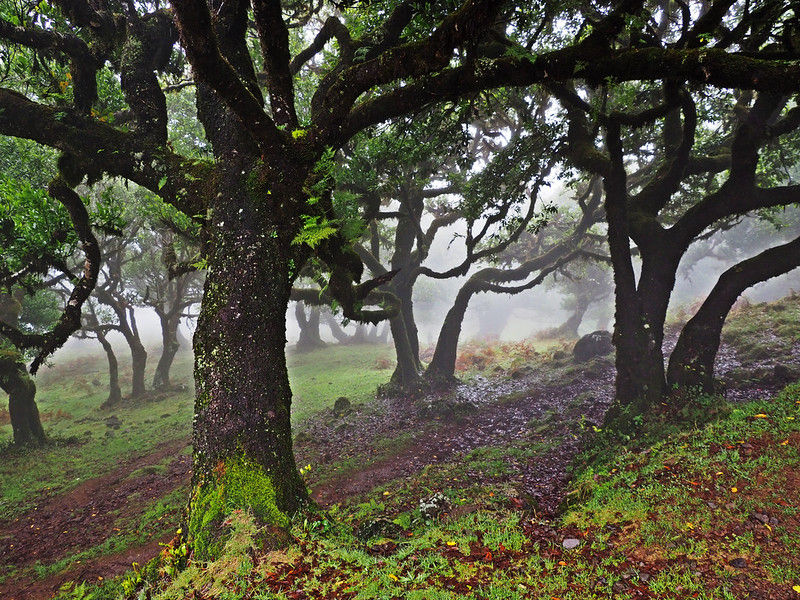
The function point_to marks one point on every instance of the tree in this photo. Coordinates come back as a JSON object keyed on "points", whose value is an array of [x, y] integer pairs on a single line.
{"points": [[545, 253], [158, 282], [264, 199], [38, 242], [700, 175], [309, 327]]}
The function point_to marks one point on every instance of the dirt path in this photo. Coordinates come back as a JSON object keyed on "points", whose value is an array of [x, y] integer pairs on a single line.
{"points": [[502, 414], [570, 407], [84, 518]]}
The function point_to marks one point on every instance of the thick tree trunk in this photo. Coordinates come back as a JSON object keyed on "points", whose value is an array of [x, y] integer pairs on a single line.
{"points": [[23, 412], [242, 433], [309, 328], [169, 348], [339, 334], [138, 366], [406, 375], [114, 391], [692, 361], [640, 381], [569, 328], [405, 336], [442, 368]]}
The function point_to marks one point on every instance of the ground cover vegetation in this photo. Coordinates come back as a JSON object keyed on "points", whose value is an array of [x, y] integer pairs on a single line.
{"points": [[212, 162], [495, 466]]}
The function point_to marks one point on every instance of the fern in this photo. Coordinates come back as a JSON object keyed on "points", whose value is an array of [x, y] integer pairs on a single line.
{"points": [[315, 231]]}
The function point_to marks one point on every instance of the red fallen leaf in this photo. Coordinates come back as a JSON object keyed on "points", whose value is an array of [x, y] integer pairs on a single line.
{"points": [[487, 557]]}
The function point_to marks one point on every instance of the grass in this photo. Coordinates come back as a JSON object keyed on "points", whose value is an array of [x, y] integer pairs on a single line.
{"points": [[662, 520], [663, 517], [84, 447]]}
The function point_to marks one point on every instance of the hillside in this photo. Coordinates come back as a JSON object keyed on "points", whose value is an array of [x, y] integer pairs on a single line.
{"points": [[522, 495]]}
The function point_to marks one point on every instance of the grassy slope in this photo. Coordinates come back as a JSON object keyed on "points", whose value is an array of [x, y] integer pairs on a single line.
{"points": [[84, 447], [668, 520], [660, 521]]}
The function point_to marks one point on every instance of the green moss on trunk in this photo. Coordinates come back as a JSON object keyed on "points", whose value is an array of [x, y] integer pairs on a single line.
{"points": [[238, 483]]}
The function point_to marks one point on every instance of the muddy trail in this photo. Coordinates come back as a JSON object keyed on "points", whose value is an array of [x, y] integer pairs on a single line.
{"points": [[84, 518], [441, 428], [538, 407]]}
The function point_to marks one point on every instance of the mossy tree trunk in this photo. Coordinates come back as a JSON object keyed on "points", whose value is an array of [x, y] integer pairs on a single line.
{"points": [[691, 364], [23, 412], [114, 391], [242, 409]]}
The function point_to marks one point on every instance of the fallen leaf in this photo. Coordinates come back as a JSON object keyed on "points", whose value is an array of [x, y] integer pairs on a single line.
{"points": [[734, 490], [761, 416]]}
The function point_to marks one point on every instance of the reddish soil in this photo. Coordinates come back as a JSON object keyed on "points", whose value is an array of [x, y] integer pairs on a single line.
{"points": [[84, 518], [490, 413]]}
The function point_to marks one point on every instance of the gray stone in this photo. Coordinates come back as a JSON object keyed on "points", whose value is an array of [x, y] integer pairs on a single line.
{"points": [[433, 506], [342, 406], [597, 343], [739, 563], [571, 543]]}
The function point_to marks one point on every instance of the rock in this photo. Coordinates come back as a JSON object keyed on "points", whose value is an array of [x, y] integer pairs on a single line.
{"points": [[644, 577], [784, 374], [433, 506], [738, 563], [619, 587], [711, 505], [571, 543], [773, 521], [597, 343], [113, 422], [378, 527], [761, 518], [342, 406]]}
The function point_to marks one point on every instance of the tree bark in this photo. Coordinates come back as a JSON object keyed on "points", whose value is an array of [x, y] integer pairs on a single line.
{"points": [[691, 364], [242, 436], [569, 328], [169, 348], [309, 328], [640, 381], [23, 412], [114, 391], [242, 433], [442, 367]]}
